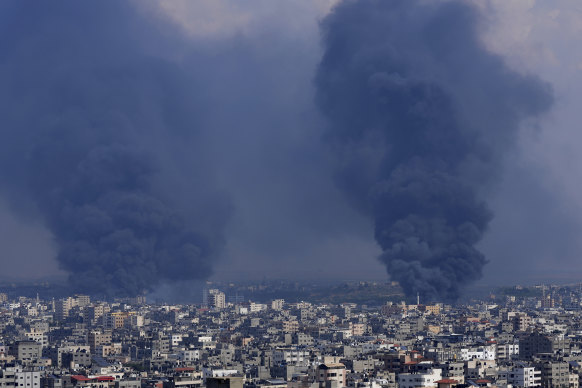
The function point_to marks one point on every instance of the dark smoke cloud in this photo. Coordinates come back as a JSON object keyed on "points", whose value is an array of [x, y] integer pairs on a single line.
{"points": [[94, 105], [420, 116]]}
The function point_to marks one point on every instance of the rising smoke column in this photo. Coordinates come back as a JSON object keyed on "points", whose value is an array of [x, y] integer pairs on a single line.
{"points": [[92, 106], [420, 115]]}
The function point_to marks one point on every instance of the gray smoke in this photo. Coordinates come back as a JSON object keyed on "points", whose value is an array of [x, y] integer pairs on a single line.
{"points": [[420, 115], [93, 109]]}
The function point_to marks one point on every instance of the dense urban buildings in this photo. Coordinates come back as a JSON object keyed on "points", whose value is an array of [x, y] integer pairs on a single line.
{"points": [[521, 338]]}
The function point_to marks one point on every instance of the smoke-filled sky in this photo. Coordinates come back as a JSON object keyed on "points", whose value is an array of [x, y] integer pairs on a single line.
{"points": [[421, 116], [206, 112]]}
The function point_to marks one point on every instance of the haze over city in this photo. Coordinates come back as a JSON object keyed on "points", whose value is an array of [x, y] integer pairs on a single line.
{"points": [[150, 144]]}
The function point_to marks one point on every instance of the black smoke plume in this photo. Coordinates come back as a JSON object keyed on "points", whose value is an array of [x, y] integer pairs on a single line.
{"points": [[94, 103], [420, 115]]}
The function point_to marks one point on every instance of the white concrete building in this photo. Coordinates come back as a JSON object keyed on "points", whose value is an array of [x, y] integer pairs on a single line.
{"points": [[19, 377], [256, 307], [175, 340], [209, 372], [415, 380], [277, 304], [38, 337], [290, 356], [216, 299], [523, 376], [189, 355], [507, 351], [479, 353]]}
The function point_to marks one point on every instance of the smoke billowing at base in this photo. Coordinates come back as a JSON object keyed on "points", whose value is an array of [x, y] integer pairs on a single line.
{"points": [[420, 115], [92, 114]]}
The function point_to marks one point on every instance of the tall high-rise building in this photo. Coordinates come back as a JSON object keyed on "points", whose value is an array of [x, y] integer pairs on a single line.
{"points": [[205, 296], [216, 299], [62, 308], [96, 338], [82, 300], [277, 304]]}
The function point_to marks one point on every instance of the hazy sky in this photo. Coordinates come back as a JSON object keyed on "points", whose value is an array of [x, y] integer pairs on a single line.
{"points": [[252, 65]]}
